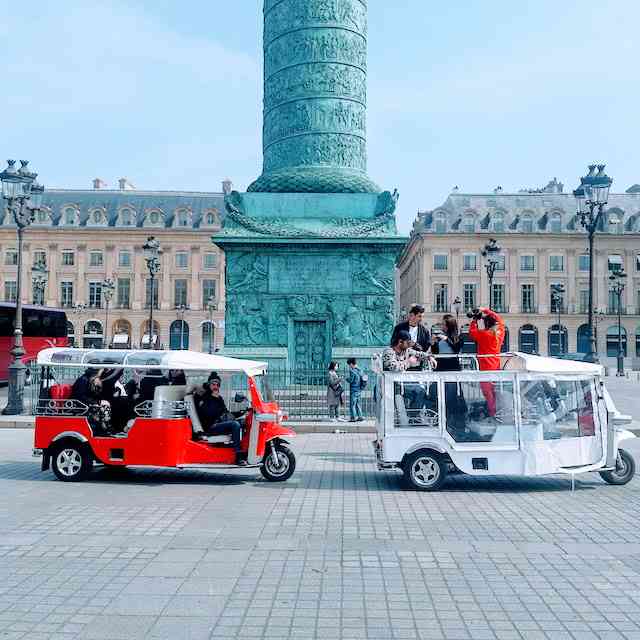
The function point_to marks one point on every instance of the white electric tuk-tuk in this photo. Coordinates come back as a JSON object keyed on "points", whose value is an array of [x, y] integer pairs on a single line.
{"points": [[534, 416]]}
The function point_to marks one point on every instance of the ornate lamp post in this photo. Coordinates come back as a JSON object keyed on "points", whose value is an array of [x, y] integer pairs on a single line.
{"points": [[108, 287], [592, 196], [23, 196], [211, 307], [617, 280], [491, 253], [152, 253], [457, 307], [557, 298], [78, 310], [39, 278], [181, 308]]}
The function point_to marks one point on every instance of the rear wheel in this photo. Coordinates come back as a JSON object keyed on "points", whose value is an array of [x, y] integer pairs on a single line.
{"points": [[71, 461], [280, 467], [624, 471], [425, 470]]}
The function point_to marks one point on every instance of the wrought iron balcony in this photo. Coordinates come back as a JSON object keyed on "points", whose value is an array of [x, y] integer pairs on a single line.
{"points": [[529, 308]]}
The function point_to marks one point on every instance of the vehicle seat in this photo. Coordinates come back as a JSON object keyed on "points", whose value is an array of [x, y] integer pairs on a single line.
{"points": [[196, 425], [60, 391], [164, 399]]}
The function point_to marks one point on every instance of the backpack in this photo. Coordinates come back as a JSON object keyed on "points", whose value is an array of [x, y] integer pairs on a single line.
{"points": [[364, 379]]}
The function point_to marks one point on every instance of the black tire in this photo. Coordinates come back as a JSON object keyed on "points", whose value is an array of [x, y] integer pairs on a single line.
{"points": [[71, 461], [625, 469], [425, 470], [287, 462]]}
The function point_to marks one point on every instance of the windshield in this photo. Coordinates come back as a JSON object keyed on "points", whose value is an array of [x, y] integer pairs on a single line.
{"points": [[264, 388]]}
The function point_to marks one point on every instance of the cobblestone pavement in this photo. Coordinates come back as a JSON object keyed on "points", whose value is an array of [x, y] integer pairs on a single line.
{"points": [[340, 551]]}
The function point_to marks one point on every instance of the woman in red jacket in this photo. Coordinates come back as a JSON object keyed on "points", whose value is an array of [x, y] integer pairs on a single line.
{"points": [[489, 342]]}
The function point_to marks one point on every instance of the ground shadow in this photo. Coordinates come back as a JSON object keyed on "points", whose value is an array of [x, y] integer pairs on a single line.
{"points": [[345, 458]]}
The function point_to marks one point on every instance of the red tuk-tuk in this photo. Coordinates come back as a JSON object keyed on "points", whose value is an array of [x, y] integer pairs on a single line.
{"points": [[161, 432]]}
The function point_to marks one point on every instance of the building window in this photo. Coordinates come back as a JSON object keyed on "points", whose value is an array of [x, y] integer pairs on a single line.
{"points": [[498, 298], [441, 223], [154, 217], [526, 224], [614, 263], [183, 219], [42, 216], [66, 294], [95, 295], [39, 257], [615, 223], [124, 259], [613, 342], [96, 259], [555, 225], [498, 222], [210, 260], [11, 258], [612, 308], [123, 293], [470, 262], [38, 294], [147, 294], [440, 262], [208, 292], [10, 291], [556, 264], [527, 298], [469, 224], [182, 259], [638, 262], [97, 217], [441, 297], [556, 300], [180, 293], [70, 216], [211, 218], [68, 258], [527, 263], [528, 339], [501, 263], [583, 262], [583, 301], [470, 297], [126, 219]]}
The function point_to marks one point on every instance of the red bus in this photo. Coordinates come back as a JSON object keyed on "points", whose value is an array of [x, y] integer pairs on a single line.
{"points": [[42, 327]]}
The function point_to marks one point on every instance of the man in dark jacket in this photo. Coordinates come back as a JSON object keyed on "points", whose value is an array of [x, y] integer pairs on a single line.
{"points": [[213, 414], [420, 339]]}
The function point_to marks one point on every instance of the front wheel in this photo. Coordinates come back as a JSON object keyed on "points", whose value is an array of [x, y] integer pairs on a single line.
{"points": [[280, 467], [71, 462], [624, 471], [425, 471]]}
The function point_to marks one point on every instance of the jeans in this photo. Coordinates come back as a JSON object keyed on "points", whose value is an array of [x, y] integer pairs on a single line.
{"points": [[354, 405], [223, 428]]}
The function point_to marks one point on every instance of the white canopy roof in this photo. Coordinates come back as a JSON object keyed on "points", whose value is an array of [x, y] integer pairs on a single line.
{"points": [[148, 359], [541, 364]]}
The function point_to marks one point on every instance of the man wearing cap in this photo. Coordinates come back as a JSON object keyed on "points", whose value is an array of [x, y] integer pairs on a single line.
{"points": [[400, 357], [214, 415]]}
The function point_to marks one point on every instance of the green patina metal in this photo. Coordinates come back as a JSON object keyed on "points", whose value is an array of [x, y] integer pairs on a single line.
{"points": [[311, 247], [315, 96]]}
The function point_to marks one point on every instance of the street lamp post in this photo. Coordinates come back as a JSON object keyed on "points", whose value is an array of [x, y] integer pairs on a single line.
{"points": [[152, 253], [108, 287], [491, 253], [39, 277], [211, 307], [23, 196], [557, 298], [592, 195], [78, 310], [617, 280], [457, 307], [181, 308]]}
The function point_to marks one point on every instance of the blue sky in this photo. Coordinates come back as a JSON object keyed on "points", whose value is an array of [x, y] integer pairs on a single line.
{"points": [[472, 93]]}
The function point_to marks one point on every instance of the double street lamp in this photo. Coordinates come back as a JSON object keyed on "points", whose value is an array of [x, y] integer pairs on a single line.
{"points": [[152, 253], [592, 196], [108, 287], [457, 307], [23, 197], [557, 301], [491, 253], [211, 307], [617, 281], [39, 278]]}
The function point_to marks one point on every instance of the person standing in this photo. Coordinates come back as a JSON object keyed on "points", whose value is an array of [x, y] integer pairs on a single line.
{"points": [[489, 339], [419, 336], [355, 389], [334, 392], [447, 344]]}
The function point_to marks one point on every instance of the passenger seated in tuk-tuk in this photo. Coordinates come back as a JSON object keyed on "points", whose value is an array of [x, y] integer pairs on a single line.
{"points": [[214, 415], [88, 390]]}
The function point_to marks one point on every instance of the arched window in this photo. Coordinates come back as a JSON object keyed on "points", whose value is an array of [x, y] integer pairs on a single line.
{"points": [[208, 335], [179, 335], [125, 218], [616, 223], [93, 335], [183, 219], [146, 338], [612, 341], [469, 223], [528, 339], [441, 222], [69, 216], [505, 342], [555, 223], [468, 345], [557, 340], [121, 335], [638, 342], [526, 223], [583, 339], [97, 217], [497, 222], [71, 334]]}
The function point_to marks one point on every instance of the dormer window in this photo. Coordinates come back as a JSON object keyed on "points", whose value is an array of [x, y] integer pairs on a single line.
{"points": [[555, 224], [441, 222], [70, 216], [126, 218], [615, 223], [526, 225], [43, 216], [182, 219], [154, 218], [497, 221], [469, 223], [97, 218]]}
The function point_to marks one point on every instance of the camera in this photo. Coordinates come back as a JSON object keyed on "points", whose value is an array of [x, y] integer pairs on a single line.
{"points": [[474, 314]]}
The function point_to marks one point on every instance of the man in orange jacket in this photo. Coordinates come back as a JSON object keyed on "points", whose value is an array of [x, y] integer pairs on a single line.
{"points": [[489, 342]]}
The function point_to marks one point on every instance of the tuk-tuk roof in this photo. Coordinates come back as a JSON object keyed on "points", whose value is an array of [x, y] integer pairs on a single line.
{"points": [[541, 364], [148, 359]]}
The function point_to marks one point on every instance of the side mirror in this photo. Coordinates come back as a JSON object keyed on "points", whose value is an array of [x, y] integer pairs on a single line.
{"points": [[240, 397]]}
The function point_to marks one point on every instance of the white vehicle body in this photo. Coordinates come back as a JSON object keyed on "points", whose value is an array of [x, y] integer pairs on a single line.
{"points": [[550, 416]]}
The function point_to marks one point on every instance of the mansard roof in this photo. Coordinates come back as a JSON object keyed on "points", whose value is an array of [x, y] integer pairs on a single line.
{"points": [[169, 203]]}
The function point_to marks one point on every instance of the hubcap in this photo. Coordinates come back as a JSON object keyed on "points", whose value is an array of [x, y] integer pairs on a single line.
{"points": [[69, 462], [282, 466], [621, 467], [425, 471]]}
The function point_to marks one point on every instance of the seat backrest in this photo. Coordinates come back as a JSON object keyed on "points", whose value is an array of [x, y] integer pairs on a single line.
{"points": [[169, 393], [190, 404], [60, 391]]}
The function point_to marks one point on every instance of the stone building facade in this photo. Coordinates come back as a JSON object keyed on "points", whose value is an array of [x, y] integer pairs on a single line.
{"points": [[543, 244], [85, 236]]}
